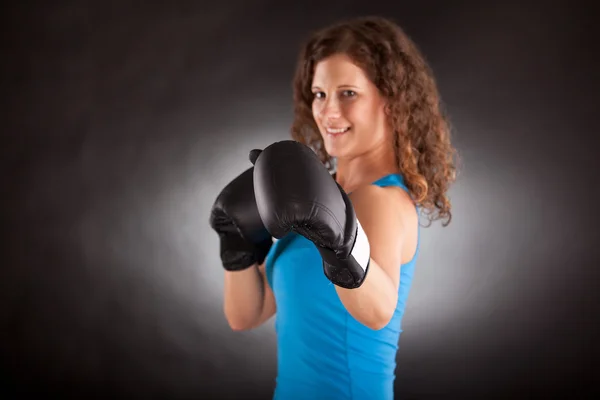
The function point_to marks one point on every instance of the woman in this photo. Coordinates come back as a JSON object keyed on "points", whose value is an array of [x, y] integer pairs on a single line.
{"points": [[367, 104]]}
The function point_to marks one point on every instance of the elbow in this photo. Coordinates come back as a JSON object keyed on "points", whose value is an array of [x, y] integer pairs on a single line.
{"points": [[239, 325], [375, 315], [239, 328], [377, 324], [238, 322], [379, 320]]}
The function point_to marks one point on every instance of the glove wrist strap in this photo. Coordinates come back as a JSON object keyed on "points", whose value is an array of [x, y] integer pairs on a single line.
{"points": [[350, 272], [361, 251]]}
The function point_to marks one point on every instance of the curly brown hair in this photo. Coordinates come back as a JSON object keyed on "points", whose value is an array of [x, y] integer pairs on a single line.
{"points": [[391, 60]]}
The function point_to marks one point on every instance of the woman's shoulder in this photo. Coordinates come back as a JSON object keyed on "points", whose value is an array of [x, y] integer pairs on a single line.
{"points": [[385, 199], [389, 211], [389, 195]]}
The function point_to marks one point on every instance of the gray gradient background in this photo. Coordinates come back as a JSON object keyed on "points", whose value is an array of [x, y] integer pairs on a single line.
{"points": [[123, 120]]}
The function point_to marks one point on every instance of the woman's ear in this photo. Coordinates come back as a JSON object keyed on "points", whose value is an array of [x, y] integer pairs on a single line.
{"points": [[387, 110]]}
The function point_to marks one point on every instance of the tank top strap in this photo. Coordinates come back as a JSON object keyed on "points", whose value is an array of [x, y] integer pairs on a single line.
{"points": [[391, 180], [398, 180]]}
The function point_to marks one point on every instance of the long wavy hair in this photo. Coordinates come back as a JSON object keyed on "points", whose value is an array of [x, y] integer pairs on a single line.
{"points": [[394, 64]]}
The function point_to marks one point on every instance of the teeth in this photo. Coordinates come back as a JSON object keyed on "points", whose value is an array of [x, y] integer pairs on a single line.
{"points": [[340, 130]]}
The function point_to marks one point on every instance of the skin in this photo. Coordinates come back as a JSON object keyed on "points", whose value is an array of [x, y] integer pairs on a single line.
{"points": [[345, 97]]}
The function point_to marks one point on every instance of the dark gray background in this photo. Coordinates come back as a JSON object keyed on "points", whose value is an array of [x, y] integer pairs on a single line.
{"points": [[123, 120]]}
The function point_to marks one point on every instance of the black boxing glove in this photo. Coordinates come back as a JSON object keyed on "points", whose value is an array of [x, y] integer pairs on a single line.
{"points": [[295, 192], [244, 239]]}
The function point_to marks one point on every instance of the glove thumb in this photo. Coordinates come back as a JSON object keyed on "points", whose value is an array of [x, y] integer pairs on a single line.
{"points": [[254, 155]]}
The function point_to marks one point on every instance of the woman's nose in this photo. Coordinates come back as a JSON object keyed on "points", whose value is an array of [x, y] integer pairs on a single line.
{"points": [[331, 109]]}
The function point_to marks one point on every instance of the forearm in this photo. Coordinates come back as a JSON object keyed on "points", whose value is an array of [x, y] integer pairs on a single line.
{"points": [[244, 296], [374, 302]]}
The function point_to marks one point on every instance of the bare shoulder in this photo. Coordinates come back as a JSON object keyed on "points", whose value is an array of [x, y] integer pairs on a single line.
{"points": [[381, 201], [389, 218]]}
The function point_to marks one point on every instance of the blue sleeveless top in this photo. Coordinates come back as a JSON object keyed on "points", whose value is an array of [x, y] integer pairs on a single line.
{"points": [[323, 352]]}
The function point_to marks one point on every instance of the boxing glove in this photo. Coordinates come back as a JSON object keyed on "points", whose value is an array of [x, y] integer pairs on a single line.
{"points": [[295, 192], [244, 239]]}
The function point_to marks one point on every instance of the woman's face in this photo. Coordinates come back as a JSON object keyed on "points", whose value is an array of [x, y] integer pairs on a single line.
{"points": [[348, 108]]}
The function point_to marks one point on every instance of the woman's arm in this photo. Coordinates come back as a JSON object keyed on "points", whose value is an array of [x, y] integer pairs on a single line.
{"points": [[249, 300], [385, 214]]}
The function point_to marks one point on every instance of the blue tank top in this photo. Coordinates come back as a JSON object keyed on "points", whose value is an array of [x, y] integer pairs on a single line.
{"points": [[323, 352]]}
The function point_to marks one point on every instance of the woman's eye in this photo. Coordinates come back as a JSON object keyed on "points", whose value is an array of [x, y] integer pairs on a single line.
{"points": [[344, 93]]}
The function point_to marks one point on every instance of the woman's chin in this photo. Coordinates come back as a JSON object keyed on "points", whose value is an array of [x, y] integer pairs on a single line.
{"points": [[334, 151], [331, 145], [331, 150]]}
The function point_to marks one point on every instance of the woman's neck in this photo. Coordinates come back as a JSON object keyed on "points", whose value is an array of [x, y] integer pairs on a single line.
{"points": [[351, 173]]}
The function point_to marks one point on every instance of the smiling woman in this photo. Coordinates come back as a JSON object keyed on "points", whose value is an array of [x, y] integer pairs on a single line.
{"points": [[348, 109], [338, 278], [367, 74]]}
